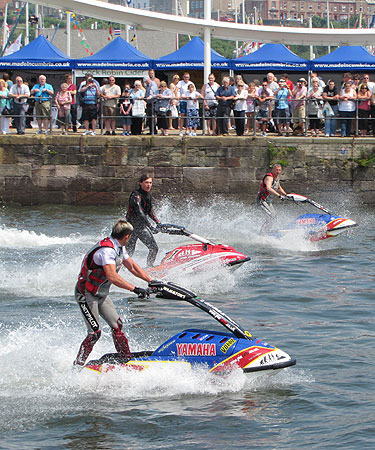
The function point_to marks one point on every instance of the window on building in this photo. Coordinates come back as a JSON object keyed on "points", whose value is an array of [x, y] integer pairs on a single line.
{"points": [[310, 6], [318, 5], [343, 7], [273, 5], [301, 5], [294, 6]]}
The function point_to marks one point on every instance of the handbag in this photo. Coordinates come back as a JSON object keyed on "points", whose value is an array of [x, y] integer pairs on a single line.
{"points": [[320, 113], [327, 110], [6, 111], [138, 109], [174, 112]]}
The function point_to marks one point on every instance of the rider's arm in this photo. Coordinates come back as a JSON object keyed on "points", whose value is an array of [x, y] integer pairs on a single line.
{"points": [[136, 270], [115, 278], [153, 216], [135, 204], [268, 182]]}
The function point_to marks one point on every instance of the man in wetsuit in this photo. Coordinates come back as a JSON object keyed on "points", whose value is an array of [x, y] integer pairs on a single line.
{"points": [[99, 270], [140, 214], [269, 188]]}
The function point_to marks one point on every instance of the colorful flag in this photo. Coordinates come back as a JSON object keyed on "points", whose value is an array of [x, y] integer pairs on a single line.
{"points": [[372, 21], [133, 39], [117, 32]]}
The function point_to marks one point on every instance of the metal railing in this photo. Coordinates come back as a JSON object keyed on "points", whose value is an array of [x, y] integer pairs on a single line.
{"points": [[251, 119]]}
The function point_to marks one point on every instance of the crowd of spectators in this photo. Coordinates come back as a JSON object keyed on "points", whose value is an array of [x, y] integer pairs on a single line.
{"points": [[271, 105]]}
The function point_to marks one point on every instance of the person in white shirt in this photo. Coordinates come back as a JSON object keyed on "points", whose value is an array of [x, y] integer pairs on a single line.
{"points": [[192, 110], [240, 108], [99, 270], [110, 93], [182, 89], [19, 92]]}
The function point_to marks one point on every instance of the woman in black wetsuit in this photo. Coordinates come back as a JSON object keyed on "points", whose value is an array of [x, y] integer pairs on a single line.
{"points": [[141, 215]]}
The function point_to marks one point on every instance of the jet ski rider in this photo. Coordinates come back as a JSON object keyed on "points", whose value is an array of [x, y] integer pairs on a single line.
{"points": [[139, 213], [269, 188], [99, 270]]}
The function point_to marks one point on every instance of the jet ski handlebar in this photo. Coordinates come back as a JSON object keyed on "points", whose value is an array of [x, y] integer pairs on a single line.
{"points": [[302, 199], [175, 292], [169, 228]]}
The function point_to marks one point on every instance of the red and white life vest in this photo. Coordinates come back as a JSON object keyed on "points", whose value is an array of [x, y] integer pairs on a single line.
{"points": [[92, 277], [263, 193]]}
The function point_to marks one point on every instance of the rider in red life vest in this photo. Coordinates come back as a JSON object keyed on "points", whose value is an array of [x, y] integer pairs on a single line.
{"points": [[269, 188], [99, 270]]}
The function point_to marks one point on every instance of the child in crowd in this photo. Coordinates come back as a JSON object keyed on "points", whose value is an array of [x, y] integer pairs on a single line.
{"points": [[63, 102], [250, 106], [125, 110], [192, 110]]}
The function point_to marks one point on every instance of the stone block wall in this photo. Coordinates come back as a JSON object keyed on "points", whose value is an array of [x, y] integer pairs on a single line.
{"points": [[104, 169]]}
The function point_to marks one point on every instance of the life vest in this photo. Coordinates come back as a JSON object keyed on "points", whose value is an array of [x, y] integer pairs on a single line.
{"points": [[263, 193], [92, 276]]}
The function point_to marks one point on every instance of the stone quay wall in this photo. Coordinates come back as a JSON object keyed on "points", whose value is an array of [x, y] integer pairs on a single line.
{"points": [[103, 170]]}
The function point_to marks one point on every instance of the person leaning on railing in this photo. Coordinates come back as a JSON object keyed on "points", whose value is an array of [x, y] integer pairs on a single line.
{"points": [[126, 105], [314, 106], [240, 107], [299, 106], [4, 107], [139, 107], [19, 92], [43, 93], [192, 110], [224, 95], [330, 97], [210, 103], [162, 106], [90, 92], [251, 104], [347, 107], [364, 97]]}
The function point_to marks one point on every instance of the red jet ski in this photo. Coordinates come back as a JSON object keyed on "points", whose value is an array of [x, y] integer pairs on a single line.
{"points": [[191, 258]]}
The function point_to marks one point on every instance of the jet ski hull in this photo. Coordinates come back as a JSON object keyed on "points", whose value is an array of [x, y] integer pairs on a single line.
{"points": [[193, 258], [317, 227], [216, 352]]}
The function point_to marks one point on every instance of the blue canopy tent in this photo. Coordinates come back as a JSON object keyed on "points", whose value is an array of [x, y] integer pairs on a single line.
{"points": [[40, 54], [190, 57], [271, 57], [118, 54], [345, 58]]}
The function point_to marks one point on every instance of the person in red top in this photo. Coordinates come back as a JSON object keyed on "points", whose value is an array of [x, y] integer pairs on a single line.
{"points": [[270, 187], [99, 271], [72, 88]]}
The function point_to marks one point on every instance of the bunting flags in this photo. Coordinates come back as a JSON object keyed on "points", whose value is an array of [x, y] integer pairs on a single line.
{"points": [[133, 39], [117, 32], [372, 21], [76, 26]]}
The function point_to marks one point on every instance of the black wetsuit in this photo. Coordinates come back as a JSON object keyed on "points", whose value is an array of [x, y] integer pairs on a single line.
{"points": [[139, 213]]}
